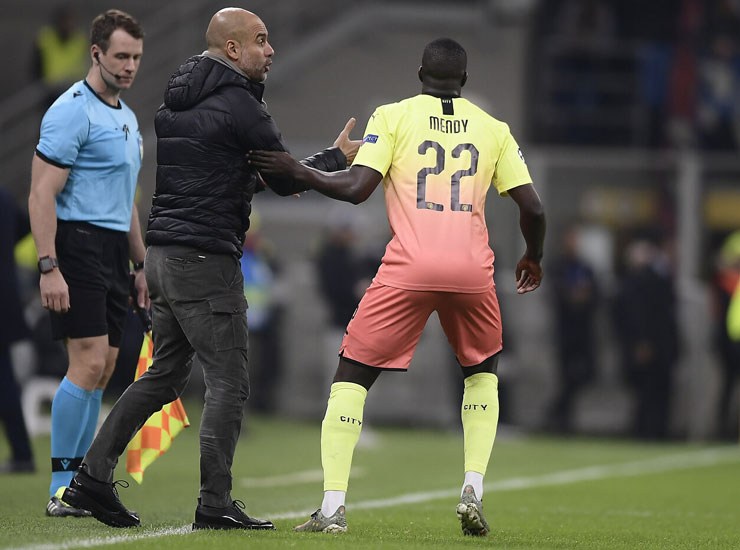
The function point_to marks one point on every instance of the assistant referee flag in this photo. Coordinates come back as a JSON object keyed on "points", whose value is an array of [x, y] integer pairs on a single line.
{"points": [[156, 435]]}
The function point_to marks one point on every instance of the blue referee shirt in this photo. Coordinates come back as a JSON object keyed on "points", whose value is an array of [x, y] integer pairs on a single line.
{"points": [[102, 147]]}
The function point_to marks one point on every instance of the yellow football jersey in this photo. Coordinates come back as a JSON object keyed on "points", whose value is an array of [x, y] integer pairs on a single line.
{"points": [[439, 157]]}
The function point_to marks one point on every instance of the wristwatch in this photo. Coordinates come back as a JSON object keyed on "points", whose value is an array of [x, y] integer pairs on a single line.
{"points": [[138, 266], [47, 264]]}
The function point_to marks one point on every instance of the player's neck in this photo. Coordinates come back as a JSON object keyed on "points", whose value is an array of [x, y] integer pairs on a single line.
{"points": [[440, 92]]}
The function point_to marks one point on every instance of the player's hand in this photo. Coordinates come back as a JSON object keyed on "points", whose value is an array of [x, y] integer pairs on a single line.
{"points": [[54, 291], [348, 146], [528, 275], [273, 163]]}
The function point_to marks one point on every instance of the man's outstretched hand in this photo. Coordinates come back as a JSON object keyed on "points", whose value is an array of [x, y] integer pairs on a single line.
{"points": [[348, 146]]}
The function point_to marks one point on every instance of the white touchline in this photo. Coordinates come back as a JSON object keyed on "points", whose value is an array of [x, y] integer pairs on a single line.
{"points": [[692, 459], [707, 457], [107, 541]]}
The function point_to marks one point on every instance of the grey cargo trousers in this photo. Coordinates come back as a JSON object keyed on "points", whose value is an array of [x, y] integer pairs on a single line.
{"points": [[198, 308]]}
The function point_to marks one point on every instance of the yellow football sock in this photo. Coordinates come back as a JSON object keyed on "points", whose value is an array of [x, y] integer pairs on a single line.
{"points": [[340, 431], [479, 419]]}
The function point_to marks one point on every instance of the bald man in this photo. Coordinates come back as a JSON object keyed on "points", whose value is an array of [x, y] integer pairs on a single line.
{"points": [[212, 115]]}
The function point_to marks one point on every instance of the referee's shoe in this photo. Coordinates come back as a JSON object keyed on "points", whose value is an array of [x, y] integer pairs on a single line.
{"points": [[100, 498]]}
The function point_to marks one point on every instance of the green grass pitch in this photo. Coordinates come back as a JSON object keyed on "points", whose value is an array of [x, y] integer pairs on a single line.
{"points": [[540, 493]]}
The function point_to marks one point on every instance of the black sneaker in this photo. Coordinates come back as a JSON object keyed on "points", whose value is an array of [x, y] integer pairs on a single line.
{"points": [[228, 517], [100, 498]]}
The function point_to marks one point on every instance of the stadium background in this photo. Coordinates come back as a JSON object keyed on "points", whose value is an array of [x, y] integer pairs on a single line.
{"points": [[336, 59]]}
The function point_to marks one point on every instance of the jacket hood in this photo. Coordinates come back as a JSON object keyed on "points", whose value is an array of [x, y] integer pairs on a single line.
{"points": [[199, 77]]}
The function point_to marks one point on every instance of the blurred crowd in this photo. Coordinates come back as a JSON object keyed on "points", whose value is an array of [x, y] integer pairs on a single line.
{"points": [[622, 72], [60, 52], [641, 309]]}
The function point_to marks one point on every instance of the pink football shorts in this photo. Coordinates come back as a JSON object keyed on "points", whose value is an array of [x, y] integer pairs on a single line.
{"points": [[388, 323]]}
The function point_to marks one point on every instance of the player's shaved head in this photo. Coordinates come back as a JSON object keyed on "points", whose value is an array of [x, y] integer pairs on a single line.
{"points": [[444, 59], [229, 24]]}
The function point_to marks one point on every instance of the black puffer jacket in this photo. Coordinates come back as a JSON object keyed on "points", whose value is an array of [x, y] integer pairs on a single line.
{"points": [[211, 117]]}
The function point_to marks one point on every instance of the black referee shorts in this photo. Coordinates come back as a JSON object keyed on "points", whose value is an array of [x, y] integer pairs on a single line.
{"points": [[94, 263]]}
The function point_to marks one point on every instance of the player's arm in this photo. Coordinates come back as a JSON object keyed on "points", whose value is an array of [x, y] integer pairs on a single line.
{"points": [[532, 226], [137, 251], [353, 185], [47, 181], [335, 158]]}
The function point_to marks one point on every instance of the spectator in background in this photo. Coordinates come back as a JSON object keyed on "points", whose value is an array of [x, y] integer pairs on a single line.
{"points": [[718, 119], [575, 295], [261, 271], [60, 53], [586, 25], [653, 26], [684, 75], [342, 279], [647, 328], [722, 18], [13, 227], [725, 284], [584, 33]]}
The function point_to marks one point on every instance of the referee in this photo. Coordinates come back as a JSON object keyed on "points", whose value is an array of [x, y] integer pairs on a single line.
{"points": [[86, 229]]}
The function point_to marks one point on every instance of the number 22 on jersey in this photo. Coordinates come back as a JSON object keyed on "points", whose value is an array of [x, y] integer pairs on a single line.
{"points": [[439, 166]]}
